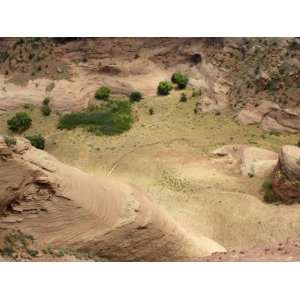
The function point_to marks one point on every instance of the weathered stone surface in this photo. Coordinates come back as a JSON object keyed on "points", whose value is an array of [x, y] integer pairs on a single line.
{"points": [[258, 162], [290, 161]]}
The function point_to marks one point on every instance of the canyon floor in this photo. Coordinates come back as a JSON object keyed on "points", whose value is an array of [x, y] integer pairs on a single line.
{"points": [[168, 156]]}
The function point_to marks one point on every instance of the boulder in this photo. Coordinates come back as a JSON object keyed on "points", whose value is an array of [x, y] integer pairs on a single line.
{"points": [[252, 161], [290, 161], [286, 177], [258, 162]]}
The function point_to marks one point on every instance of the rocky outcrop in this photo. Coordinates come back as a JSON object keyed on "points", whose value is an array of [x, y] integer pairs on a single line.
{"points": [[258, 162], [65, 208], [271, 117], [252, 161], [255, 114], [285, 182], [207, 104]]}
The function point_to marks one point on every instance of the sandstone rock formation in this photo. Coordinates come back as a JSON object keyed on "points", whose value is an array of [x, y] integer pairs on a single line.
{"points": [[286, 176], [271, 117], [65, 208], [253, 161], [258, 162]]}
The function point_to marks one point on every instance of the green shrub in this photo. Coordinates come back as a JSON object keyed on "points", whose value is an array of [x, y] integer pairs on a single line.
{"points": [[10, 140], [20, 122], [46, 110], [151, 111], [268, 192], [135, 96], [102, 93], [180, 79], [164, 88], [183, 97], [111, 119], [37, 141], [46, 101]]}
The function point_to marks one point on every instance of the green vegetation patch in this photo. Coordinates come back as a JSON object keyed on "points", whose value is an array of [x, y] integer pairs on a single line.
{"points": [[20, 122], [37, 141], [10, 140], [180, 79], [135, 96], [103, 93], [164, 88], [268, 192], [110, 119]]}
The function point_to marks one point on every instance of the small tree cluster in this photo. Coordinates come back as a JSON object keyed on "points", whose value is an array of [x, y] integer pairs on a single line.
{"points": [[20, 122], [103, 93]]}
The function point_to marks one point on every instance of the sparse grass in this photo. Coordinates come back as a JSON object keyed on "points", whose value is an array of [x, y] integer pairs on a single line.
{"points": [[46, 110], [17, 241], [10, 140], [111, 119], [183, 97], [268, 192]]}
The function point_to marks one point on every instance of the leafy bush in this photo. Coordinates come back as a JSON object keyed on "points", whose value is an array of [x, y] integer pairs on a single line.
{"points": [[183, 97], [135, 96], [46, 101], [268, 192], [180, 79], [20, 122], [10, 140], [111, 119], [46, 110], [37, 141], [151, 111], [164, 88], [102, 93]]}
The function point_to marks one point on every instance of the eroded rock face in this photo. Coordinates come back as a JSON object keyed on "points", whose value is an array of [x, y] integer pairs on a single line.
{"points": [[65, 208], [286, 176], [271, 117]]}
